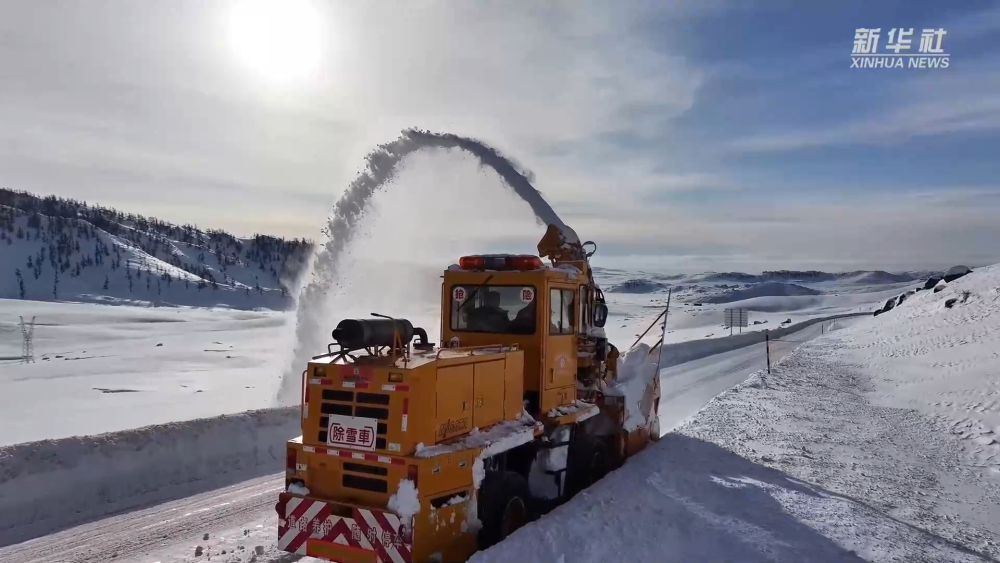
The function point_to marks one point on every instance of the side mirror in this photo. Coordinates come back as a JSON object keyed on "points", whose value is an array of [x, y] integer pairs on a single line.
{"points": [[600, 314]]}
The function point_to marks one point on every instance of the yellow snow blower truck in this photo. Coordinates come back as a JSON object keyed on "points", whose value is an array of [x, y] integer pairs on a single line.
{"points": [[414, 452]]}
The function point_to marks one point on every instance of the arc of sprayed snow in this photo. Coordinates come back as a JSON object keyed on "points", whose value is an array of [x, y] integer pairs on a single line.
{"points": [[380, 168], [514, 178]]}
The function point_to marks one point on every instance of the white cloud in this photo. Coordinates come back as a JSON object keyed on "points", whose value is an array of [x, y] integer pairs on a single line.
{"points": [[146, 101], [945, 113], [930, 227], [523, 76]]}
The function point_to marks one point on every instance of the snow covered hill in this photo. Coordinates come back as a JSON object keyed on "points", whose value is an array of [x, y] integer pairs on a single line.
{"points": [[640, 285], [63, 250], [763, 289], [879, 441], [729, 287]]}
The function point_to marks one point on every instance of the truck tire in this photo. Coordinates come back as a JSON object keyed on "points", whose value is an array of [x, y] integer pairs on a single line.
{"points": [[589, 461], [502, 506]]}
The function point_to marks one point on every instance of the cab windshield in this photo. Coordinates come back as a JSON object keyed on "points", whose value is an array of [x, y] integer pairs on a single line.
{"points": [[497, 309]]}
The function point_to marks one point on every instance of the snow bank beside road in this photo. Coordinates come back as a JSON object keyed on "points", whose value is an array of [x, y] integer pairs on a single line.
{"points": [[687, 499], [812, 418], [53, 484]]}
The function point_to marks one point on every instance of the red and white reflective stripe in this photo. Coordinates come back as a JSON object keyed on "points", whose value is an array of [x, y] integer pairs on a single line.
{"points": [[355, 455], [321, 381], [355, 385], [303, 519], [406, 412], [391, 387]]}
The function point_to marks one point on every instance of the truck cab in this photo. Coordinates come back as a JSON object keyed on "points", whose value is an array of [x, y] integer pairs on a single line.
{"points": [[551, 313]]}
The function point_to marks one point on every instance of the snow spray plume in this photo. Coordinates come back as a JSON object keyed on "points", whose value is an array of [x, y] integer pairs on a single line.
{"points": [[312, 328]]}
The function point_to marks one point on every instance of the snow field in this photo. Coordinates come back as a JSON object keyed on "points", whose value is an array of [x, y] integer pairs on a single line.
{"points": [[943, 361], [100, 368], [54, 484]]}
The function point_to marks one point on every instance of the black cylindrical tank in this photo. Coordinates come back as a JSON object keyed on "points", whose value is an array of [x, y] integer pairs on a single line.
{"points": [[355, 334]]}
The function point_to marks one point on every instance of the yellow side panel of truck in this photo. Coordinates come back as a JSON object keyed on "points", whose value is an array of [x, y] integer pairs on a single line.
{"points": [[488, 405], [513, 399], [454, 401]]}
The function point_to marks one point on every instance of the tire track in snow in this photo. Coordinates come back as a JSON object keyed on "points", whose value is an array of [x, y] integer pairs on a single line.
{"points": [[128, 537]]}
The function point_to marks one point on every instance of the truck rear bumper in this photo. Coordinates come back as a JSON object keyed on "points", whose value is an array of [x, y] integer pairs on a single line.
{"points": [[340, 532]]}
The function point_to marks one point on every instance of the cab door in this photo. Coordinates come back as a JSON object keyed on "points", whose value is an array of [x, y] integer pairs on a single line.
{"points": [[560, 347]]}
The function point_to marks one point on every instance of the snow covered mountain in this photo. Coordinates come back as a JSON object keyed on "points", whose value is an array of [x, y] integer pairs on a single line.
{"points": [[732, 287], [55, 249], [763, 289]]}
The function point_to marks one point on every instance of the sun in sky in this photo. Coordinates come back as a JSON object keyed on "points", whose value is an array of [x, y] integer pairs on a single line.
{"points": [[280, 40]]}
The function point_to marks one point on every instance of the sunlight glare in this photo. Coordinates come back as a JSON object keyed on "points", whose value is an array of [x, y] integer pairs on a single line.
{"points": [[281, 40]]}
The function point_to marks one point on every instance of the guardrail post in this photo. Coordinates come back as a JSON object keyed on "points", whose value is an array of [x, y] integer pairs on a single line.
{"points": [[767, 346]]}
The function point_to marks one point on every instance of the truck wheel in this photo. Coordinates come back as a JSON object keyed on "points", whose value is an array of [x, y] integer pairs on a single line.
{"points": [[503, 506], [591, 460]]}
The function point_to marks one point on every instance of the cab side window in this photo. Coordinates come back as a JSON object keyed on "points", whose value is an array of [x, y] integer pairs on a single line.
{"points": [[562, 309]]}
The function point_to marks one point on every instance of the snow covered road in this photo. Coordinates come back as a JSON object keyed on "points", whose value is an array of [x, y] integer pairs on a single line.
{"points": [[686, 388], [167, 532]]}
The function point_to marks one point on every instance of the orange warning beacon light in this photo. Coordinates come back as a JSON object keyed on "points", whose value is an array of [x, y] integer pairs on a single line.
{"points": [[521, 262]]}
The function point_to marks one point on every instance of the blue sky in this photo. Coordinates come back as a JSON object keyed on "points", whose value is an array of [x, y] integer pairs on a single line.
{"points": [[681, 135], [781, 117], [783, 70], [789, 74]]}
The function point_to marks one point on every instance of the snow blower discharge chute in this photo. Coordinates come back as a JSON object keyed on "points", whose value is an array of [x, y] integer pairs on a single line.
{"points": [[413, 452]]}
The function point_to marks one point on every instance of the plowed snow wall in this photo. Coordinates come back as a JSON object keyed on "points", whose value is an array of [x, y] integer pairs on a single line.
{"points": [[54, 484], [682, 352]]}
